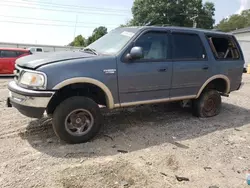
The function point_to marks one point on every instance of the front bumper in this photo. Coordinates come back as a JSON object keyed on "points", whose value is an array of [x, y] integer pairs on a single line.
{"points": [[29, 102]]}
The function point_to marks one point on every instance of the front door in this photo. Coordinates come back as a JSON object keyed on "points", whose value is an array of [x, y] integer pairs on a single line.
{"points": [[7, 61], [190, 64], [149, 78]]}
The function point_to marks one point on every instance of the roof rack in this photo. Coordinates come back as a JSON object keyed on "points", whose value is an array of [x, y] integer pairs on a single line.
{"points": [[148, 24], [215, 29], [159, 25]]}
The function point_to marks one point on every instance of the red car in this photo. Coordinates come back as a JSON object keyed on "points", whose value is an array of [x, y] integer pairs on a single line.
{"points": [[8, 58]]}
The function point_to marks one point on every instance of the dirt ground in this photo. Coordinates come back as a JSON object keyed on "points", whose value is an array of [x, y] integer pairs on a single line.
{"points": [[162, 141]]}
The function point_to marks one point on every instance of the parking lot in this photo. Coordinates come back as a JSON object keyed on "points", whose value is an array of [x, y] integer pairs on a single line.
{"points": [[147, 146]]}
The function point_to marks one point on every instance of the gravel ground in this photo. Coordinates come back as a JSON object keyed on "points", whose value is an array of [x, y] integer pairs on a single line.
{"points": [[162, 142]]}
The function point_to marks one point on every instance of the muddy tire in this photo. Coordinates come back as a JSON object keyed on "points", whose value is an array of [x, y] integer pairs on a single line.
{"points": [[77, 120], [207, 105]]}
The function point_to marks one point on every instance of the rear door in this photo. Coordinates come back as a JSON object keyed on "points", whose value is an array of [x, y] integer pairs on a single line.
{"points": [[190, 64], [8, 58]]}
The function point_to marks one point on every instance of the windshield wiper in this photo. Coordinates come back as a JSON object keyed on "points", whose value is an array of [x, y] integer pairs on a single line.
{"points": [[93, 51]]}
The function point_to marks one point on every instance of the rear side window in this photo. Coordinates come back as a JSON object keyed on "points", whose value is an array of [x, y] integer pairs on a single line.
{"points": [[187, 46], [223, 47], [8, 54], [19, 53]]}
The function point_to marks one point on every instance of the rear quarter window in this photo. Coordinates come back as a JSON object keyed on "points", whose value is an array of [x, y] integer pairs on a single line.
{"points": [[223, 47], [20, 53]]}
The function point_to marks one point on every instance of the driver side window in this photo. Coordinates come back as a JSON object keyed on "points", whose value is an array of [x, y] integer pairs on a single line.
{"points": [[154, 45]]}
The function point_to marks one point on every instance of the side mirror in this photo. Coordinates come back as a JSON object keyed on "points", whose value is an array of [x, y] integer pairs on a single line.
{"points": [[135, 53]]}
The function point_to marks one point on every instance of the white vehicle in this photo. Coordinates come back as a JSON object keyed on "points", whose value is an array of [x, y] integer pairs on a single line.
{"points": [[35, 49]]}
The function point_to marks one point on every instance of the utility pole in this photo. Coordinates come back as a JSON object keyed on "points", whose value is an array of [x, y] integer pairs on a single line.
{"points": [[194, 21], [75, 26]]}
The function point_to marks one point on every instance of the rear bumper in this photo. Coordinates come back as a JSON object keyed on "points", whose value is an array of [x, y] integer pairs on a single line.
{"points": [[240, 86], [29, 102]]}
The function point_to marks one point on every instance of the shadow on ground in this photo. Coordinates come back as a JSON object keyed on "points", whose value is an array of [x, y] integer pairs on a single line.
{"points": [[135, 129]]}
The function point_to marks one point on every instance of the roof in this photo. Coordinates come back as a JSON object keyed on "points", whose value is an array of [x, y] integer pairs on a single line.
{"points": [[243, 30], [15, 49], [185, 29]]}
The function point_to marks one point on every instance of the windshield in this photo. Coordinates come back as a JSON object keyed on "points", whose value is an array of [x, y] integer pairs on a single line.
{"points": [[114, 41]]}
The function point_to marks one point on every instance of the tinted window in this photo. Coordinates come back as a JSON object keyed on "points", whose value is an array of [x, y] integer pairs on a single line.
{"points": [[187, 46], [39, 50], [154, 45], [20, 53], [8, 53]]}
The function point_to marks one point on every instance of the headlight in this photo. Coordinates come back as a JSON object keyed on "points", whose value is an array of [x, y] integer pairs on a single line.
{"points": [[33, 79]]}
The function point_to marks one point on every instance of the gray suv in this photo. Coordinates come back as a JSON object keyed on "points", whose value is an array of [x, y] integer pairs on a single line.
{"points": [[127, 67]]}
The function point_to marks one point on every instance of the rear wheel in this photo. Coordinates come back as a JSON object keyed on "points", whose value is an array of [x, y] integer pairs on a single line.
{"points": [[77, 120], [207, 105]]}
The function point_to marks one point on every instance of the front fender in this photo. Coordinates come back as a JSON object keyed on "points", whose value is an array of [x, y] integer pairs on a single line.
{"points": [[89, 70], [109, 96]]}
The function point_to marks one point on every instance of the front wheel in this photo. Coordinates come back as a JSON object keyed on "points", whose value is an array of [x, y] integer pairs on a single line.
{"points": [[207, 105], [77, 120]]}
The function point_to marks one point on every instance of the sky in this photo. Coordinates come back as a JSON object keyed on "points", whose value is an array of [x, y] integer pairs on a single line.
{"points": [[56, 22]]}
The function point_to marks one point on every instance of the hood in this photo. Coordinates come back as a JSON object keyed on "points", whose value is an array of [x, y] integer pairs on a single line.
{"points": [[36, 60]]}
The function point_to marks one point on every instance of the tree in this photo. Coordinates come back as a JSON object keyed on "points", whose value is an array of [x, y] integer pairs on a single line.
{"points": [[78, 41], [173, 12], [97, 33], [235, 21], [205, 19], [127, 24]]}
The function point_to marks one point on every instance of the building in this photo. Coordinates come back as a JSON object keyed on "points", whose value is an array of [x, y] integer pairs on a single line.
{"points": [[46, 48], [243, 37]]}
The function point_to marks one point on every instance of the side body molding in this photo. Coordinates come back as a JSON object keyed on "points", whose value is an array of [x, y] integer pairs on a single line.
{"points": [[109, 96], [213, 78]]}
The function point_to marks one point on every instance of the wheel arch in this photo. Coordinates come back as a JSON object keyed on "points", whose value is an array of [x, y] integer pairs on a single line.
{"points": [[214, 78], [85, 80]]}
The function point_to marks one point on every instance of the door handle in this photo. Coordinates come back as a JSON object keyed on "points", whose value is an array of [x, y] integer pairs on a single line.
{"points": [[163, 70], [205, 67]]}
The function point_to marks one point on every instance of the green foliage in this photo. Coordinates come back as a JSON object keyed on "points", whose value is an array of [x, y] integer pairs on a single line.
{"points": [[97, 33], [78, 41], [173, 12], [206, 20], [236, 21]]}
